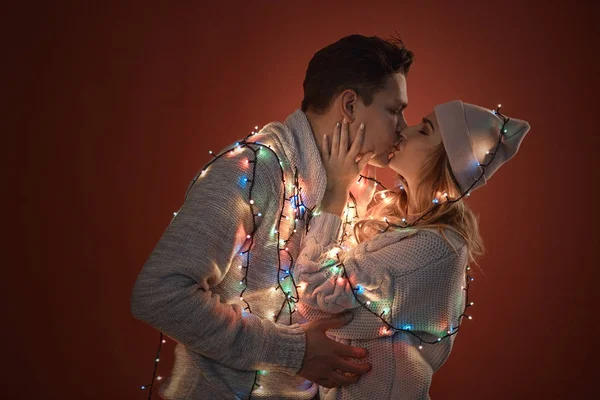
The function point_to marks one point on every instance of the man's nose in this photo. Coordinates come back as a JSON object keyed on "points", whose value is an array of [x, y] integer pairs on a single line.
{"points": [[402, 123]]}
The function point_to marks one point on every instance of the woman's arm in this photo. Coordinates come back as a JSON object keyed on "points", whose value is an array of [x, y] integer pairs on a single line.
{"points": [[333, 281], [412, 280]]}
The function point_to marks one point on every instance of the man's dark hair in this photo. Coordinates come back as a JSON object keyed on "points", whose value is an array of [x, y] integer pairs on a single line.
{"points": [[355, 62]]}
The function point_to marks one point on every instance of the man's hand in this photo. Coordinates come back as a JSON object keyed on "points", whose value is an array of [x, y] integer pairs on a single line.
{"points": [[324, 360]]}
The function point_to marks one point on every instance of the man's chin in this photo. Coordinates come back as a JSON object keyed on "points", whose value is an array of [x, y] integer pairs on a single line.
{"points": [[379, 161]]}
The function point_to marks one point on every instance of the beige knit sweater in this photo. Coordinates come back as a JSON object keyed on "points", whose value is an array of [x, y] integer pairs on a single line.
{"points": [[191, 284], [413, 279]]}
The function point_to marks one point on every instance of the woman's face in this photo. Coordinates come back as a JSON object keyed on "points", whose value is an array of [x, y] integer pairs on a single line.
{"points": [[416, 145]]}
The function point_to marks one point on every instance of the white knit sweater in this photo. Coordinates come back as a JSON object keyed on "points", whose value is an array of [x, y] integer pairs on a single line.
{"points": [[191, 284], [414, 277]]}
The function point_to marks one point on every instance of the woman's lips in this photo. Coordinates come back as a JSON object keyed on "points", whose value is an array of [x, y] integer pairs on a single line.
{"points": [[393, 153]]}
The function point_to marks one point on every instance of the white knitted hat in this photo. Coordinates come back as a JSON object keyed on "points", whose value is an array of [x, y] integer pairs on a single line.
{"points": [[471, 136]]}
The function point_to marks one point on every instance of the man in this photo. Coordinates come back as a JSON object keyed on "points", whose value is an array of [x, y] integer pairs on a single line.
{"points": [[219, 282]]}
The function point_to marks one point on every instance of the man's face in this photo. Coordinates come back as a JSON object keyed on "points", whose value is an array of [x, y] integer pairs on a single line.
{"points": [[384, 119]]}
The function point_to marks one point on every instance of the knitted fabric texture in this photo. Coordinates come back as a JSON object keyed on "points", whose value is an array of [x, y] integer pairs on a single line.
{"points": [[414, 276], [189, 288], [469, 132]]}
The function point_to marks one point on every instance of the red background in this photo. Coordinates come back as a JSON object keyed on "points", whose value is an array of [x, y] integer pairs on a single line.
{"points": [[112, 109]]}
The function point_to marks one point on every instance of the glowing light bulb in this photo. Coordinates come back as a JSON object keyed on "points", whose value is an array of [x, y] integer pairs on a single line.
{"points": [[368, 302], [420, 347], [251, 201], [383, 195]]}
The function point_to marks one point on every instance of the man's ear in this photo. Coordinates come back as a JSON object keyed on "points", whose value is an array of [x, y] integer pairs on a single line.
{"points": [[348, 104]]}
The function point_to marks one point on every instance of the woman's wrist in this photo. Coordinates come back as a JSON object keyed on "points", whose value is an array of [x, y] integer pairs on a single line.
{"points": [[334, 201]]}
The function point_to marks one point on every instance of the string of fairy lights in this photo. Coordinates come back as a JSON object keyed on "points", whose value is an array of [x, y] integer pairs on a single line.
{"points": [[303, 213], [388, 328]]}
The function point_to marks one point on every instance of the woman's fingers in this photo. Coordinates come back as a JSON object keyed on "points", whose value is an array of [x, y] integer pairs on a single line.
{"points": [[335, 141], [358, 141], [325, 145], [344, 138], [364, 160], [325, 148]]}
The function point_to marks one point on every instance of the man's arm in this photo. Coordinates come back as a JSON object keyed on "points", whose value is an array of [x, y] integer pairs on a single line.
{"points": [[173, 292]]}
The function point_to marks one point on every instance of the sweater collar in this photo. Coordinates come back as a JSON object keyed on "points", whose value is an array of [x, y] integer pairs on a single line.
{"points": [[298, 143], [303, 153]]}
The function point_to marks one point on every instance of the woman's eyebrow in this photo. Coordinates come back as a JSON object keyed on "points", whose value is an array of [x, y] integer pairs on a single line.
{"points": [[429, 122]]}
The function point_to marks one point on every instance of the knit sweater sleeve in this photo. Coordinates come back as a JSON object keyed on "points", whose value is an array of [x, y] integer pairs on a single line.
{"points": [[414, 278], [174, 290], [321, 275]]}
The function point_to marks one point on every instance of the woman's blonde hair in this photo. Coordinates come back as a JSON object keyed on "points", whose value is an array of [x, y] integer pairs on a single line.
{"points": [[437, 181]]}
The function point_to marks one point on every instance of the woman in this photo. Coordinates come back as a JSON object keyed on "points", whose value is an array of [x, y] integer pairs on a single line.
{"points": [[406, 279]]}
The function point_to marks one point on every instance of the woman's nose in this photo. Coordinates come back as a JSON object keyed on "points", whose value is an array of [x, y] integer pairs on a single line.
{"points": [[409, 131]]}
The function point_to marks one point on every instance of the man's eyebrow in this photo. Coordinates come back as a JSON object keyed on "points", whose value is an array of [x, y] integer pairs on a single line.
{"points": [[429, 122]]}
